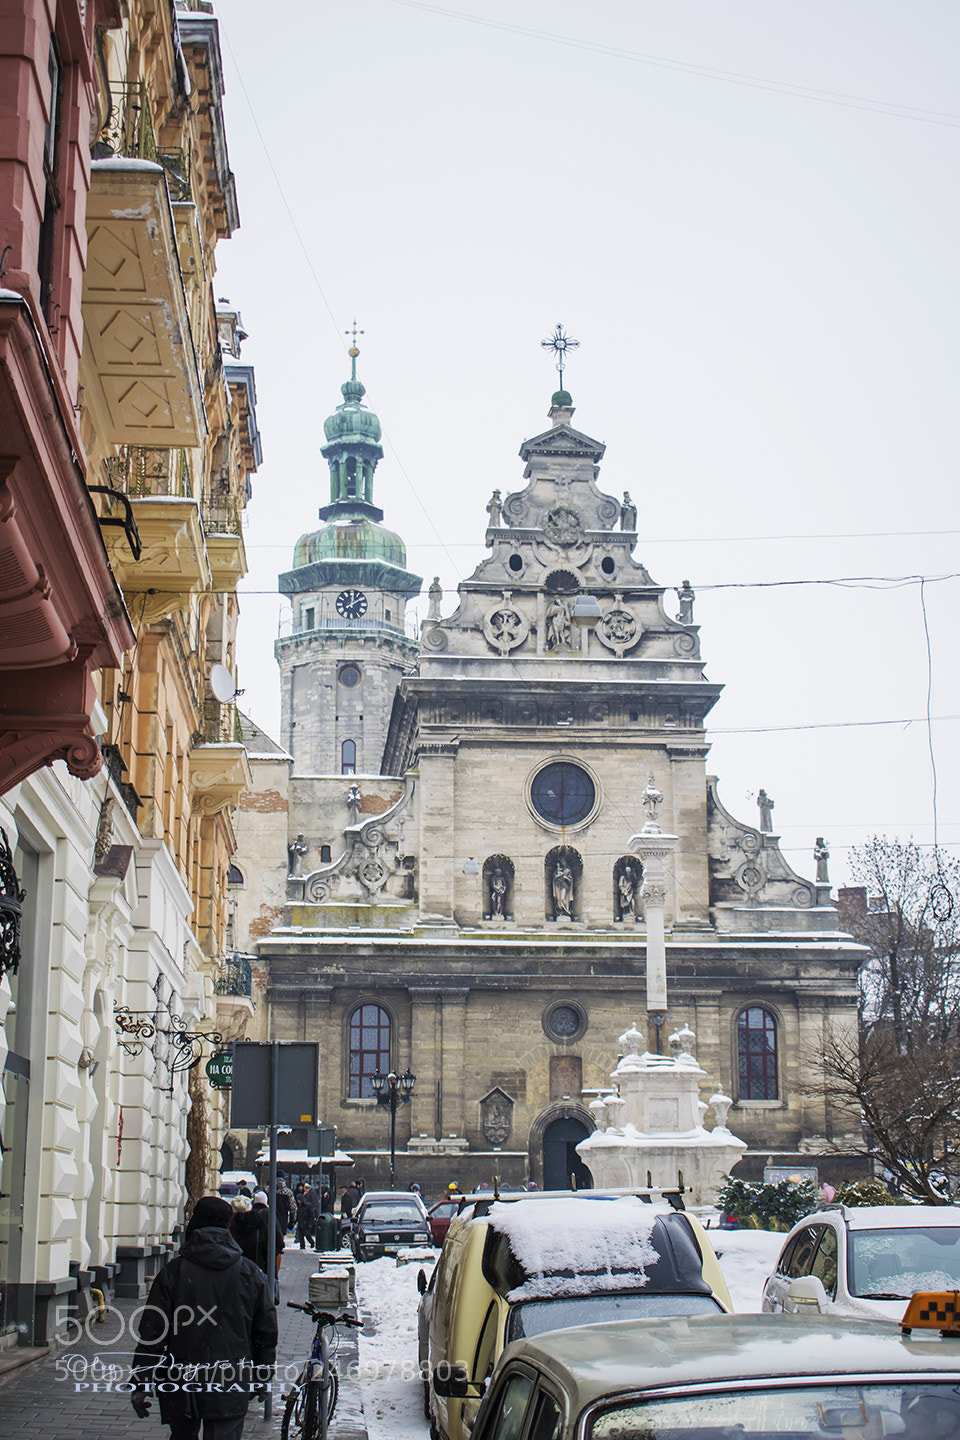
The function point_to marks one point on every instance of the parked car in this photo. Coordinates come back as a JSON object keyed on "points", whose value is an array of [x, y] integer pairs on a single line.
{"points": [[440, 1216], [866, 1261], [711, 1377], [515, 1267], [386, 1221]]}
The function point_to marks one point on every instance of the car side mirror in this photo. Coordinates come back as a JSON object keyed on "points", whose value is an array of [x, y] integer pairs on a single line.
{"points": [[422, 1282], [804, 1292], [451, 1382]]}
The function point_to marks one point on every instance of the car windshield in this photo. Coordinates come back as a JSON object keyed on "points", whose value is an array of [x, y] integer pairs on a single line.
{"points": [[390, 1212], [894, 1263], [829, 1412], [532, 1317]]}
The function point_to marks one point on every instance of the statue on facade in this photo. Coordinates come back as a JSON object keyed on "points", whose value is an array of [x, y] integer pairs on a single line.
{"points": [[766, 808], [354, 799], [295, 853], [436, 595], [628, 513], [557, 623], [562, 889], [821, 854], [651, 800], [498, 892], [494, 507], [627, 891], [686, 597]]}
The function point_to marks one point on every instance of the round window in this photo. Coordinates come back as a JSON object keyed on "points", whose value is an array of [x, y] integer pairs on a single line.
{"points": [[349, 676], [562, 793], [564, 1022]]}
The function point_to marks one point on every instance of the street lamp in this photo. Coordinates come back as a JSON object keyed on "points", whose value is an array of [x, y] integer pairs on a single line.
{"points": [[393, 1090]]}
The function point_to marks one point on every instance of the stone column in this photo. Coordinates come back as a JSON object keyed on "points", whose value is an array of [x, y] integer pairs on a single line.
{"points": [[424, 1060], [437, 829], [453, 1056], [654, 848]]}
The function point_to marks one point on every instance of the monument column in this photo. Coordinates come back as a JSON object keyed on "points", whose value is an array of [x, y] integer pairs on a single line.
{"points": [[654, 849]]}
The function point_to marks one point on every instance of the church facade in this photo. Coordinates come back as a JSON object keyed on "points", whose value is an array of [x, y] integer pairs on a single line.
{"points": [[440, 868]]}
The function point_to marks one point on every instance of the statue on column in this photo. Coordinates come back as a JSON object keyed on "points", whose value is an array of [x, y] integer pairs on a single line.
{"points": [[766, 807], [821, 854], [628, 513], [686, 597], [651, 800], [295, 853], [562, 889]]}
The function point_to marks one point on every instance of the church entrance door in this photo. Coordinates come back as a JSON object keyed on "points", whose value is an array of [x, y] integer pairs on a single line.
{"points": [[560, 1159]]}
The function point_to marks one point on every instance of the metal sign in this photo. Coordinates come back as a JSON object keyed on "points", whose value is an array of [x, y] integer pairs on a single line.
{"points": [[219, 1070], [322, 1141], [296, 1080]]}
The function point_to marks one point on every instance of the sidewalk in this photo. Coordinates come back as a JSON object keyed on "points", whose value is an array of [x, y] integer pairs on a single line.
{"points": [[69, 1395]]}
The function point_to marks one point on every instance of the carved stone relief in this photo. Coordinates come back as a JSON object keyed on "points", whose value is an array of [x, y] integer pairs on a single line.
{"points": [[618, 629], [505, 628], [496, 1117]]}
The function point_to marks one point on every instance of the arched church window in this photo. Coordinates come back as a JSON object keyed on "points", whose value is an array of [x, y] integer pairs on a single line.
{"points": [[348, 757], [369, 1049], [235, 875], [757, 1054]]}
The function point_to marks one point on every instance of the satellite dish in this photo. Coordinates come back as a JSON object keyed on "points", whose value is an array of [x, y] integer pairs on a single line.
{"points": [[221, 683]]}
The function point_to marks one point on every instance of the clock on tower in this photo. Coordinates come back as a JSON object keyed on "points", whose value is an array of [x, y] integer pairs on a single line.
{"points": [[351, 604]]}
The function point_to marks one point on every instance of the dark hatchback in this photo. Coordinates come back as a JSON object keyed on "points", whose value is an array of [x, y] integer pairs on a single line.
{"points": [[385, 1222]]}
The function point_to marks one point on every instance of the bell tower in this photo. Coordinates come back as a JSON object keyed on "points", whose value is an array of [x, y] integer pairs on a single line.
{"points": [[349, 586]]}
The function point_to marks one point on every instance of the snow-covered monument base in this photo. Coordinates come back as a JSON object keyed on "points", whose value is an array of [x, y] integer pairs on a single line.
{"points": [[650, 1130]]}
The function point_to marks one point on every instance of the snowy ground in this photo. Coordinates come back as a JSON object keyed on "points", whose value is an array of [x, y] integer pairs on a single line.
{"points": [[392, 1395]]}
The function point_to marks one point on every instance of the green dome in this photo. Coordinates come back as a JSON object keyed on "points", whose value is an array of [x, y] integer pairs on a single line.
{"points": [[352, 420], [351, 539], [561, 399]]}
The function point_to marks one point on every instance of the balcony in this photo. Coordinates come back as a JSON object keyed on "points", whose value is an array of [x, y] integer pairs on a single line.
{"points": [[235, 977], [223, 529], [140, 368], [219, 775], [173, 564]]}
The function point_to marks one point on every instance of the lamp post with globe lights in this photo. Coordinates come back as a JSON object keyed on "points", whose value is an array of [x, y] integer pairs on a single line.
{"points": [[393, 1090]]}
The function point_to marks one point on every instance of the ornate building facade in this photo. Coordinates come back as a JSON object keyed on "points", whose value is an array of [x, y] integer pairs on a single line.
{"points": [[479, 901], [129, 438]]}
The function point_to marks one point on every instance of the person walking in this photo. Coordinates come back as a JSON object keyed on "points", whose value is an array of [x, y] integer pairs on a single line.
{"points": [[286, 1205], [306, 1218], [349, 1199], [210, 1312]]}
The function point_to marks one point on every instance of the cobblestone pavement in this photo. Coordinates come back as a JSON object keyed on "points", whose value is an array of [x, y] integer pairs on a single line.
{"points": [[66, 1396]]}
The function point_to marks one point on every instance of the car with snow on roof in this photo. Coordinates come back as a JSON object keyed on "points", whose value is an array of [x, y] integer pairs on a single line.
{"points": [[387, 1221], [517, 1266], [726, 1377], [865, 1261]]}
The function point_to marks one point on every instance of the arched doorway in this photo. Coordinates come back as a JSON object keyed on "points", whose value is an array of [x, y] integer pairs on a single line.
{"points": [[560, 1159]]}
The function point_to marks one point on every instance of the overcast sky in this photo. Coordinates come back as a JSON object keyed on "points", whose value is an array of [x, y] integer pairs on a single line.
{"points": [[747, 213]]}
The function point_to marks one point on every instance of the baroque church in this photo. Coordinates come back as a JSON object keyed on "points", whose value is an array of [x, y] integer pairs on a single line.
{"points": [[441, 869]]}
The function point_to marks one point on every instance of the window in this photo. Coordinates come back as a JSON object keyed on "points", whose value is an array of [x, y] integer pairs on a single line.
{"points": [[349, 676], [235, 875], [564, 1021], [563, 794], [324, 854], [51, 206], [309, 618], [757, 1054], [348, 757], [369, 1050]]}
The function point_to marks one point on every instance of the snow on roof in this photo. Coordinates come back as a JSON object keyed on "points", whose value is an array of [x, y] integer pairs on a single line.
{"points": [[576, 1247]]}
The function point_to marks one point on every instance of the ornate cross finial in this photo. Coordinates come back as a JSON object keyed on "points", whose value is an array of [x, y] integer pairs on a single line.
{"points": [[560, 344], [354, 332]]}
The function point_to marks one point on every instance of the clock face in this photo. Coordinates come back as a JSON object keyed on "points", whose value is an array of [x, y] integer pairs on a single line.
{"points": [[352, 604]]}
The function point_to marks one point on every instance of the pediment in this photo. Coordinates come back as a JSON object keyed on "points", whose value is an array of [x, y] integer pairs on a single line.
{"points": [[562, 440]]}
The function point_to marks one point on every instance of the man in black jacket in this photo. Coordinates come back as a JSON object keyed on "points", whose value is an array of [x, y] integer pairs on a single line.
{"points": [[208, 1332]]}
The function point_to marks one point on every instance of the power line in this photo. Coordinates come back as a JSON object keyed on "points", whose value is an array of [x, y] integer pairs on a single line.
{"points": [[944, 118]]}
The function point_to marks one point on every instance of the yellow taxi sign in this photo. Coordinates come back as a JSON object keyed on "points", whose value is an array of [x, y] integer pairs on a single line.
{"points": [[933, 1310]]}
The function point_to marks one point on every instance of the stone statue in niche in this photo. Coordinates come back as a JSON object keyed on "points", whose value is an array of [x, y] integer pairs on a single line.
{"points": [[498, 892], [686, 597], [557, 624], [628, 513], [295, 853], [765, 805], [628, 891], [821, 854], [436, 595], [494, 507], [562, 889]]}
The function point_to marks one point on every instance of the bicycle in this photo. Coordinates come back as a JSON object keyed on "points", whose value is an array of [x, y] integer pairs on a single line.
{"points": [[310, 1404]]}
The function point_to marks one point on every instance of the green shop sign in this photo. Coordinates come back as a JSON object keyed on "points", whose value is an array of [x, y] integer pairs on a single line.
{"points": [[220, 1070]]}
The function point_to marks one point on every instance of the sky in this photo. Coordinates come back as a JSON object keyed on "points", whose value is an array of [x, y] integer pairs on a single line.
{"points": [[747, 214]]}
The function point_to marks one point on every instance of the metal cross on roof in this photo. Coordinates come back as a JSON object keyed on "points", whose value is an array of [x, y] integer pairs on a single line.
{"points": [[560, 343], [354, 332]]}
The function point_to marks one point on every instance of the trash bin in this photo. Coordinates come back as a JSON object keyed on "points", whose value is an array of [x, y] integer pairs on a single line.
{"points": [[327, 1236]]}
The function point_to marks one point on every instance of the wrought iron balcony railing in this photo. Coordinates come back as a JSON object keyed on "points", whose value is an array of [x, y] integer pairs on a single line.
{"points": [[221, 515], [235, 977], [128, 131], [144, 470]]}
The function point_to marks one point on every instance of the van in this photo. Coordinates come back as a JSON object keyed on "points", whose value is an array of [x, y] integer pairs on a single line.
{"points": [[515, 1267]]}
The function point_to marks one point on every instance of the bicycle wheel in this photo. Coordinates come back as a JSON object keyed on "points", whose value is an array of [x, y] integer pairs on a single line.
{"points": [[301, 1414]]}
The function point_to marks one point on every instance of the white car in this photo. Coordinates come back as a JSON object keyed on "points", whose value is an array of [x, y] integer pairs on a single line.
{"points": [[866, 1261]]}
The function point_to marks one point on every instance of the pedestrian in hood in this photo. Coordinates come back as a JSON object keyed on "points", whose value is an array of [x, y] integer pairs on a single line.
{"points": [[208, 1332]]}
